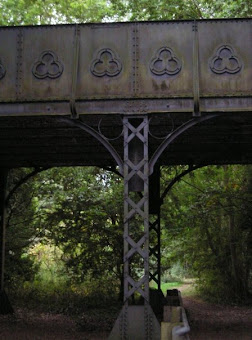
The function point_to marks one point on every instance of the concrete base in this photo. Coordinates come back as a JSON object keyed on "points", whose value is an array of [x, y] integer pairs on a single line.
{"points": [[166, 330], [136, 323]]}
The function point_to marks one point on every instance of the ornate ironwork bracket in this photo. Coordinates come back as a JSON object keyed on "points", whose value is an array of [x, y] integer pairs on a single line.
{"points": [[175, 134], [98, 136]]}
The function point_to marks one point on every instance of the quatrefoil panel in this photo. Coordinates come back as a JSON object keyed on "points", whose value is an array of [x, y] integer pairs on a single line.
{"points": [[2, 70], [225, 61], [106, 63], [47, 66], [165, 62]]}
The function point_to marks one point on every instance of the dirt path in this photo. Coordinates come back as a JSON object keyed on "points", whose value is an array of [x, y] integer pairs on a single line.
{"points": [[207, 321], [216, 322], [27, 325]]}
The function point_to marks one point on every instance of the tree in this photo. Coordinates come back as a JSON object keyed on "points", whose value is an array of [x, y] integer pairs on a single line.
{"points": [[181, 9], [22, 227], [39, 12], [82, 211], [209, 226]]}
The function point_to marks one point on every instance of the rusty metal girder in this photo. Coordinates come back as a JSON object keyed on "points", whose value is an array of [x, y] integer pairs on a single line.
{"points": [[143, 67]]}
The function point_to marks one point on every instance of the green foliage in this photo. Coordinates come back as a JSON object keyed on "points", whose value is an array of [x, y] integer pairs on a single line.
{"points": [[177, 273], [22, 230], [82, 211], [52, 290], [51, 271], [60, 298], [206, 222], [39, 12], [181, 9], [208, 215]]}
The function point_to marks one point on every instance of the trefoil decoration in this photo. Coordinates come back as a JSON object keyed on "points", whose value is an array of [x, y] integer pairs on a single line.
{"points": [[106, 63], [225, 60], [165, 62], [47, 66]]}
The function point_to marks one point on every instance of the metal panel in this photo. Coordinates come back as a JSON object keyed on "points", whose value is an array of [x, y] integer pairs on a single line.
{"points": [[225, 53], [47, 58], [8, 64], [105, 61], [164, 60], [151, 64]]}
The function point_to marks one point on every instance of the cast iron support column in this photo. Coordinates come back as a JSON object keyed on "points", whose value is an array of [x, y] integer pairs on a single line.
{"points": [[156, 296], [5, 306], [136, 209], [155, 251], [155, 230], [136, 321]]}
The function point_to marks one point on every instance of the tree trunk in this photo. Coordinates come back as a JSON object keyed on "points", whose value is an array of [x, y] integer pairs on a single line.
{"points": [[237, 271]]}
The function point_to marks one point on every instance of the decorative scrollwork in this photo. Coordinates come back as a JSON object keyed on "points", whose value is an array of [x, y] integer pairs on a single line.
{"points": [[165, 62], [225, 61], [47, 66], [166, 123], [2, 70], [111, 134], [107, 63]]}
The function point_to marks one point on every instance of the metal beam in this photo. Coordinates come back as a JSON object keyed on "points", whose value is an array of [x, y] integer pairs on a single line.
{"points": [[136, 209]]}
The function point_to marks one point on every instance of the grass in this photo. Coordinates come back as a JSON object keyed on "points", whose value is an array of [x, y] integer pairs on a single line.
{"points": [[168, 285], [188, 288]]}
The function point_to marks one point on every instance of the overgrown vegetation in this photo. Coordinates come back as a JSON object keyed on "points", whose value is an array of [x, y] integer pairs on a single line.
{"points": [[71, 226], [65, 226], [208, 229]]}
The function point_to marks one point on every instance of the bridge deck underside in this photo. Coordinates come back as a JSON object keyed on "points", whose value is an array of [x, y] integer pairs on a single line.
{"points": [[48, 141]]}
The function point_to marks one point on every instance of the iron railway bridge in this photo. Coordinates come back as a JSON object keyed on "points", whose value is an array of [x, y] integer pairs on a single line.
{"points": [[131, 97]]}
